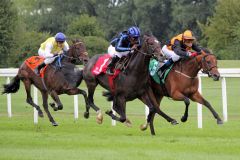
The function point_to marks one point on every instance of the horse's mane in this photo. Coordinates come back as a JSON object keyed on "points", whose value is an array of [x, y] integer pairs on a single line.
{"points": [[184, 60], [206, 50], [74, 41]]}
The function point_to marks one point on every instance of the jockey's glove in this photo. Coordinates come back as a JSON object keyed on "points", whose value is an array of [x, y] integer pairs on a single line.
{"points": [[60, 52], [192, 54]]}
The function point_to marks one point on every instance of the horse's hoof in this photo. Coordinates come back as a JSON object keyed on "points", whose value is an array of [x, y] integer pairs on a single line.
{"points": [[54, 124], [60, 107], [53, 106], [86, 115], [183, 119], [40, 114], [219, 122], [153, 133], [99, 118], [143, 127], [174, 122], [128, 123]]}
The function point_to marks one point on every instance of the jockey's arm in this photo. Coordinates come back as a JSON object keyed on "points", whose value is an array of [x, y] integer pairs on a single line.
{"points": [[196, 48], [66, 46], [176, 47], [47, 51], [119, 47]]}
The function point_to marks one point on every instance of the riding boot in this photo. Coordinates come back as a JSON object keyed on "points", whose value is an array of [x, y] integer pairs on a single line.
{"points": [[164, 67], [38, 68], [111, 65]]}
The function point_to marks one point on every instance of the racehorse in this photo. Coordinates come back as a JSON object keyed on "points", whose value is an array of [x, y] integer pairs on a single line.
{"points": [[182, 83], [63, 78], [128, 85]]}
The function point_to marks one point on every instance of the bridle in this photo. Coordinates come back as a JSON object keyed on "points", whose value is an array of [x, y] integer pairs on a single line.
{"points": [[207, 69], [149, 49], [72, 57]]}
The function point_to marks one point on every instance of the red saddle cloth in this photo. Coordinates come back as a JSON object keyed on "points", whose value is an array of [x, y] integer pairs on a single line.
{"points": [[33, 62], [101, 67]]}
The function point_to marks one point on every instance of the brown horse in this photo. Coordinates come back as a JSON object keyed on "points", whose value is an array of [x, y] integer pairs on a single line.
{"points": [[56, 80], [182, 83], [128, 85]]}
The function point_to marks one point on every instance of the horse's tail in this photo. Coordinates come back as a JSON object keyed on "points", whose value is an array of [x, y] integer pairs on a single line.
{"points": [[13, 86], [108, 95]]}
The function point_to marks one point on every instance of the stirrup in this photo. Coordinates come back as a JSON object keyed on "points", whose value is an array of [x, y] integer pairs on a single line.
{"points": [[160, 73], [36, 71]]}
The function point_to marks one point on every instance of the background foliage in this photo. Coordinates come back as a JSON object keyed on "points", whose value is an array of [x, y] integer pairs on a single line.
{"points": [[24, 24]]}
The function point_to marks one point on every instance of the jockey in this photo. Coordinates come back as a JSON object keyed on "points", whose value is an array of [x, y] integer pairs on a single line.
{"points": [[122, 45], [49, 49], [178, 47]]}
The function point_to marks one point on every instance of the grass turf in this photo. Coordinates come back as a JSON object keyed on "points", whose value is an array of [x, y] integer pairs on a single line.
{"points": [[84, 139]]}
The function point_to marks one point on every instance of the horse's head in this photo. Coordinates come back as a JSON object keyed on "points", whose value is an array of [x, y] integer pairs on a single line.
{"points": [[209, 65], [78, 53], [151, 46]]}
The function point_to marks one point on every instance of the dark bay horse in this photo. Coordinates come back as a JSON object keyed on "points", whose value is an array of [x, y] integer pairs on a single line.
{"points": [[56, 81], [128, 85], [182, 83]]}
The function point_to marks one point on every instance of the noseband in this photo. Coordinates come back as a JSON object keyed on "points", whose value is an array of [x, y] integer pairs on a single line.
{"points": [[72, 57], [208, 67], [150, 50]]}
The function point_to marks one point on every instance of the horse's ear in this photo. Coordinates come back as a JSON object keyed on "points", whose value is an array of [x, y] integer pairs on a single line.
{"points": [[73, 41], [148, 33], [208, 51]]}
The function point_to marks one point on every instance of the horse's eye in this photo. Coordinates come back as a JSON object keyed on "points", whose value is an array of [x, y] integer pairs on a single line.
{"points": [[208, 62]]}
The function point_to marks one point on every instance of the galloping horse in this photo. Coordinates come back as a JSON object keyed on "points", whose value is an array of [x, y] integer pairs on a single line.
{"points": [[56, 80], [182, 83], [128, 85]]}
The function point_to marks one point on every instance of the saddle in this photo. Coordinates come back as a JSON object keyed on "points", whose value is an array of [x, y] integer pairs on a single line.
{"points": [[123, 63], [154, 65], [34, 61]]}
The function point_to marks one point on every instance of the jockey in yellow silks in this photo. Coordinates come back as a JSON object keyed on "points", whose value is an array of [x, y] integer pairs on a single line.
{"points": [[51, 48]]}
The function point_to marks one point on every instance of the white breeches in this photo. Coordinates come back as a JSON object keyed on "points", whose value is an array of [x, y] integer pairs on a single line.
{"points": [[112, 52], [48, 56], [170, 54]]}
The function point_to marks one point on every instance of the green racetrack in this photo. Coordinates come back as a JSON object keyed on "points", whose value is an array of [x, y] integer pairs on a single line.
{"points": [[84, 139]]}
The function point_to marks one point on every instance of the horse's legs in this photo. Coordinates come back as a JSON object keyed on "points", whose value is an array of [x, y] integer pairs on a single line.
{"points": [[119, 105], [55, 97], [27, 84], [151, 100], [151, 116], [91, 89], [45, 105], [74, 91], [197, 97], [110, 112], [185, 116]]}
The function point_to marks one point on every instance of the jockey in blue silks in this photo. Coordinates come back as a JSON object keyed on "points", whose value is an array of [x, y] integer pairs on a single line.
{"points": [[126, 42]]}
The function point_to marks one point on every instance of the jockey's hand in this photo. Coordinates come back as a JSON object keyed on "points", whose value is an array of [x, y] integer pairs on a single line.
{"points": [[192, 54], [60, 52], [134, 47]]}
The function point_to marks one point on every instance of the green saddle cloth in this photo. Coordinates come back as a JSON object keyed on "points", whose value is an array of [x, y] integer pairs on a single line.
{"points": [[154, 65]]}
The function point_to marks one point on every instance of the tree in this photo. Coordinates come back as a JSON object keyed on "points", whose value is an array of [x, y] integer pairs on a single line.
{"points": [[186, 14], [85, 26], [223, 30], [8, 16]]}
